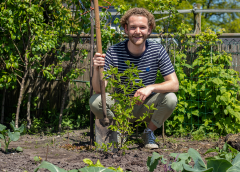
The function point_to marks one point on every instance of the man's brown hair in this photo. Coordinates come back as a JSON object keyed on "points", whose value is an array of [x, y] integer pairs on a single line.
{"points": [[138, 12]]}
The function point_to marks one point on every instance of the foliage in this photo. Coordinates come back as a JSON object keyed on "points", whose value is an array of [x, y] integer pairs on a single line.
{"points": [[98, 164], [9, 136], [90, 168], [153, 161], [34, 29], [181, 163], [109, 36], [80, 103], [215, 21], [37, 159], [72, 118], [216, 165], [227, 153], [105, 147], [208, 91], [124, 104]]}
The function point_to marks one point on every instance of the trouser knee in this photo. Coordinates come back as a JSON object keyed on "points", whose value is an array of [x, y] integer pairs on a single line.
{"points": [[170, 101], [165, 104], [95, 103]]}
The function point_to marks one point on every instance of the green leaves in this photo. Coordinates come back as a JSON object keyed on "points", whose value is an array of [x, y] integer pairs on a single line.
{"points": [[123, 108], [219, 165], [152, 161], [208, 86], [96, 169], [199, 164], [180, 160], [189, 169], [19, 149], [49, 166], [2, 127], [14, 136]]}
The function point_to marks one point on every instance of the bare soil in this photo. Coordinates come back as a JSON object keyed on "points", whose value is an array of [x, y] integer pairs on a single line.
{"points": [[51, 148]]}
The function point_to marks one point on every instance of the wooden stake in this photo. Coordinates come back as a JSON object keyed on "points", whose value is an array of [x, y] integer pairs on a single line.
{"points": [[91, 74], [46, 153], [99, 50], [163, 136]]}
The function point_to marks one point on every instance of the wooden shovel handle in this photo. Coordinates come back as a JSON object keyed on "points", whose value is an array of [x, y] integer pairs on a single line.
{"points": [[99, 50]]}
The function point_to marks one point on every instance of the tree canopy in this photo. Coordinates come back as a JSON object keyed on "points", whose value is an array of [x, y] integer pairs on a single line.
{"points": [[215, 21]]}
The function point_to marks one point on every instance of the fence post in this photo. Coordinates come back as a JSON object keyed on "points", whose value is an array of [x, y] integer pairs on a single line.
{"points": [[197, 19]]}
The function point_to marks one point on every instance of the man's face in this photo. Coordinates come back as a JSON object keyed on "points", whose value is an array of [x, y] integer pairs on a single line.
{"points": [[137, 29]]}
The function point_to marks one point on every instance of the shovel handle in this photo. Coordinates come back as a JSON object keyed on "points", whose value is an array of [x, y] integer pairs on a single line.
{"points": [[99, 49]]}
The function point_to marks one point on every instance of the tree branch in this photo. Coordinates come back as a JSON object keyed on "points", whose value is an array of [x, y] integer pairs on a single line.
{"points": [[17, 49], [19, 82]]}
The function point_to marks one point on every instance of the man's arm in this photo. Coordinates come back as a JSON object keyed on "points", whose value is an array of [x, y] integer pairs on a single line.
{"points": [[98, 61], [170, 84]]}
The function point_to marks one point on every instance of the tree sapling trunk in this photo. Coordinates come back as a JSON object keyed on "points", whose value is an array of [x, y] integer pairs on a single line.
{"points": [[62, 106], [29, 100], [20, 97]]}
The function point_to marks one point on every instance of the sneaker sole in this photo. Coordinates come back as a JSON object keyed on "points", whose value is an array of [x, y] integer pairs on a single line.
{"points": [[151, 146]]}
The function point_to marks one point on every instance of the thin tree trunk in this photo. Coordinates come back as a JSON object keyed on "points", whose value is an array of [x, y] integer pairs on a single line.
{"points": [[62, 107], [3, 103], [20, 98], [29, 100]]}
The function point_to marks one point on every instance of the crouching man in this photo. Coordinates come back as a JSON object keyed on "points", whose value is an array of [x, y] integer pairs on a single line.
{"points": [[148, 57]]}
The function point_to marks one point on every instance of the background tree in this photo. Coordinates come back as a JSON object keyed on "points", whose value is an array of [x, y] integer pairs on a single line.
{"points": [[29, 33], [215, 21]]}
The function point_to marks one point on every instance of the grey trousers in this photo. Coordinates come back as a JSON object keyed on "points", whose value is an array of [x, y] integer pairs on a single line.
{"points": [[164, 102]]}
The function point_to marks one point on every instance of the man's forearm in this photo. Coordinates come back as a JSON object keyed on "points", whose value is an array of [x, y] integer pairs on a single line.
{"points": [[164, 87], [170, 84]]}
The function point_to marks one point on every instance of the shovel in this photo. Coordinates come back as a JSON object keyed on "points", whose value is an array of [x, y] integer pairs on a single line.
{"points": [[102, 133]]}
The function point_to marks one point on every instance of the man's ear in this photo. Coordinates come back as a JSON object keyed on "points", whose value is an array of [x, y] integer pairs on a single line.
{"points": [[149, 30], [126, 29]]}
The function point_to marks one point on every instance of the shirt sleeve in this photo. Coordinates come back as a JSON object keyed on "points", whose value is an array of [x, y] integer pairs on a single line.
{"points": [[164, 62]]}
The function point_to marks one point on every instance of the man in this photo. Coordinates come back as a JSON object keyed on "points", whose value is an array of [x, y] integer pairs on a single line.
{"points": [[148, 57]]}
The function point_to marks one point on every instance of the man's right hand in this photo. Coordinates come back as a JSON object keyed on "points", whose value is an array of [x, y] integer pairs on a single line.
{"points": [[99, 60]]}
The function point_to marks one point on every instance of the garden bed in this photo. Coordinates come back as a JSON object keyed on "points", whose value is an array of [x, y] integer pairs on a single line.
{"points": [[134, 159]]}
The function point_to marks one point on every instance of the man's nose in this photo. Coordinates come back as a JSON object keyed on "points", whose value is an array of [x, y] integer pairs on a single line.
{"points": [[137, 30]]}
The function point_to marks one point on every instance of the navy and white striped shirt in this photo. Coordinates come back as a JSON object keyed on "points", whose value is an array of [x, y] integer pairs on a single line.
{"points": [[153, 58]]}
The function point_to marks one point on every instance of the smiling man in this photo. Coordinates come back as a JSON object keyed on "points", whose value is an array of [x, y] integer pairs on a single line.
{"points": [[148, 56]]}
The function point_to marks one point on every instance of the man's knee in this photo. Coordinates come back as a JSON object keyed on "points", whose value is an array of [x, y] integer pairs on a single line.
{"points": [[94, 103], [171, 100]]}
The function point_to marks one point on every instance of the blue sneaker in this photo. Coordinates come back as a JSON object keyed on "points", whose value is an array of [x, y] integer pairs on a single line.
{"points": [[149, 139]]}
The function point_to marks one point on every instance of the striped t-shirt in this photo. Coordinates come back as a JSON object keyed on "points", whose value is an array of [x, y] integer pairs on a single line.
{"points": [[153, 58]]}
